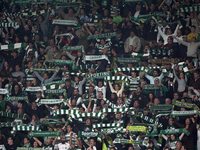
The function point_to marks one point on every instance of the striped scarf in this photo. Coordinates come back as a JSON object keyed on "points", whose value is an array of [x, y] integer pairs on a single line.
{"points": [[13, 115], [9, 124], [136, 69], [116, 78], [7, 24], [113, 130], [35, 13], [53, 84], [174, 131], [189, 9], [151, 120], [95, 57], [109, 110], [65, 22], [98, 75], [93, 19], [57, 91], [103, 125], [66, 112], [4, 91], [25, 128], [161, 107], [12, 46], [95, 115]]}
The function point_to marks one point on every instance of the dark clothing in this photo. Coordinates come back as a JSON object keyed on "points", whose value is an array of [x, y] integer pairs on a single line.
{"points": [[69, 91], [151, 34], [195, 84]]}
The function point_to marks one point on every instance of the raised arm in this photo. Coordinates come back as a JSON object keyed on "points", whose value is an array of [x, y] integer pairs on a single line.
{"points": [[122, 87], [38, 76], [70, 56], [38, 141], [111, 88], [54, 141], [164, 136], [160, 32], [181, 136], [180, 41]]}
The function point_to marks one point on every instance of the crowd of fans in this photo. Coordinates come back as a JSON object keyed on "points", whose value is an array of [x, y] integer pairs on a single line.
{"points": [[99, 74]]}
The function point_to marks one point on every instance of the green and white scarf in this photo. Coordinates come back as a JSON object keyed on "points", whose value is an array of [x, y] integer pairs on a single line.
{"points": [[103, 125], [126, 60], [13, 115], [12, 46], [35, 13], [99, 36], [113, 130], [184, 113], [54, 82], [95, 115], [116, 78], [50, 101], [66, 34], [127, 141], [95, 57], [161, 107], [75, 74], [33, 89], [186, 70], [139, 54], [110, 110], [151, 120], [57, 91], [89, 134], [74, 48], [153, 87], [7, 24], [65, 22], [3, 91], [98, 75], [44, 133], [9, 124], [136, 69], [43, 68], [60, 61], [25, 128], [185, 105], [66, 112], [189, 9], [48, 123], [15, 99], [174, 131]]}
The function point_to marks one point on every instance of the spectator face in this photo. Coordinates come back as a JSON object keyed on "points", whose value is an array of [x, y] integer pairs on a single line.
{"points": [[70, 12], [167, 101], [133, 74], [176, 96], [118, 115], [138, 90], [26, 141], [100, 95], [155, 73], [41, 50], [172, 137], [81, 110], [88, 122], [178, 145], [136, 104], [69, 129], [16, 88], [117, 87], [35, 144], [67, 83], [185, 94], [119, 100], [19, 105], [48, 141], [33, 106], [179, 33], [17, 68], [35, 28], [75, 92], [116, 13], [156, 101], [171, 122], [45, 76], [63, 139], [100, 84], [102, 102], [91, 89], [187, 121], [156, 81], [169, 40], [132, 34], [105, 12], [73, 102], [92, 143], [196, 75], [10, 141]]}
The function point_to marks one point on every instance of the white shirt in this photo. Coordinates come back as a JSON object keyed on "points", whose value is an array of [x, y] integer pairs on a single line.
{"points": [[100, 89], [65, 146]]}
